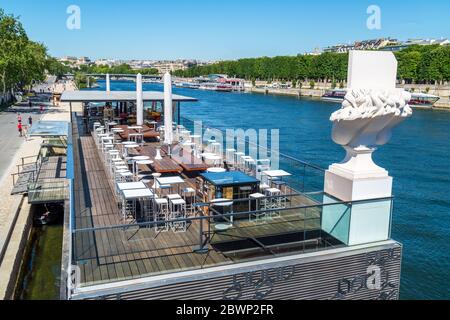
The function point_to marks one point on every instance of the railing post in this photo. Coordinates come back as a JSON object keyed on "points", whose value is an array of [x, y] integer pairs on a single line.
{"points": [[201, 247]]}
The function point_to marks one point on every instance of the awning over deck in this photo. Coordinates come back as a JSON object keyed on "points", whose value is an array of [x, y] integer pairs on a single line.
{"points": [[49, 129], [118, 96]]}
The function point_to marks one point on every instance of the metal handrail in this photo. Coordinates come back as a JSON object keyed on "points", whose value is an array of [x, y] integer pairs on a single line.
{"points": [[232, 214], [257, 145]]}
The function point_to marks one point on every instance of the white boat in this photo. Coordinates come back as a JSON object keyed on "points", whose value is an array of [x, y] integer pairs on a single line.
{"points": [[189, 85], [423, 100], [213, 86], [335, 95]]}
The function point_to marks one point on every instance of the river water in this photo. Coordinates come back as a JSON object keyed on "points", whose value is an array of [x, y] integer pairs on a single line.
{"points": [[417, 157]]}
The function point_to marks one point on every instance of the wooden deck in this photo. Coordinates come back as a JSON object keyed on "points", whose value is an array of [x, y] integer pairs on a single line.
{"points": [[122, 253], [106, 250]]}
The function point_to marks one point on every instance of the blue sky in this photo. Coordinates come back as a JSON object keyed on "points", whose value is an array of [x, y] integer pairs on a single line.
{"points": [[230, 29]]}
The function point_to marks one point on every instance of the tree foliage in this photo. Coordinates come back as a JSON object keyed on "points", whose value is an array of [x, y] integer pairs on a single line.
{"points": [[416, 64], [424, 63], [283, 68], [22, 61]]}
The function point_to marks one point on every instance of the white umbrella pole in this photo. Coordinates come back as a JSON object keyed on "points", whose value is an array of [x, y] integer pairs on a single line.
{"points": [[108, 83], [139, 101], [168, 116]]}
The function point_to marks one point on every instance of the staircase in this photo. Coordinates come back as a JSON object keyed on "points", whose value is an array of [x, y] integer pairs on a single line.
{"points": [[27, 172]]}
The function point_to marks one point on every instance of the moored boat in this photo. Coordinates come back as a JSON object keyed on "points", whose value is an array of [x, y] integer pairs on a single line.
{"points": [[189, 85], [423, 100], [335, 95], [212, 86]]}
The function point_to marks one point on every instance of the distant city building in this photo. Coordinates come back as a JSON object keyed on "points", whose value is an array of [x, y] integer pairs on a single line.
{"points": [[74, 61], [105, 62], [316, 52], [170, 66], [162, 66], [83, 61], [386, 44], [420, 42], [374, 44]]}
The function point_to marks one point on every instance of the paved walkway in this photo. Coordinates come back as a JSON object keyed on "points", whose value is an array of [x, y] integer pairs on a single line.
{"points": [[9, 203], [10, 142]]}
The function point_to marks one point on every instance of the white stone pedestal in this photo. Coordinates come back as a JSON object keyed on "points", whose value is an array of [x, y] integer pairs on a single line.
{"points": [[358, 178]]}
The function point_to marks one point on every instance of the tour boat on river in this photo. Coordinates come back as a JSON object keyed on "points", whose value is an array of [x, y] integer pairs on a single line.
{"points": [[336, 95], [212, 86], [423, 100], [189, 85]]}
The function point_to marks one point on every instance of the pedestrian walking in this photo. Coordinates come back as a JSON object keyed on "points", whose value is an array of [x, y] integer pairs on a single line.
{"points": [[42, 109], [30, 121], [19, 118], [25, 132], [19, 127], [30, 104]]}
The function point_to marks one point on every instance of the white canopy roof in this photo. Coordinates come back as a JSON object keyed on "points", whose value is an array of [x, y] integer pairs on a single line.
{"points": [[104, 96]]}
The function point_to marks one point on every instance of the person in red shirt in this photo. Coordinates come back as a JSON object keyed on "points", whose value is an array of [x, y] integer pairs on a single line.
{"points": [[19, 127]]}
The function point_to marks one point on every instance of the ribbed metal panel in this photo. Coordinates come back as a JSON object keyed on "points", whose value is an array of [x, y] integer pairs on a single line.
{"points": [[343, 277]]}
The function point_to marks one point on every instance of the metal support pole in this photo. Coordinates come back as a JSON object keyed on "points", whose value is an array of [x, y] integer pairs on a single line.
{"points": [[201, 248]]}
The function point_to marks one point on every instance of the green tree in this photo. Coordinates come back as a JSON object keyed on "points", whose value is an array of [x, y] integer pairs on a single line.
{"points": [[416, 63], [57, 68], [22, 61]]}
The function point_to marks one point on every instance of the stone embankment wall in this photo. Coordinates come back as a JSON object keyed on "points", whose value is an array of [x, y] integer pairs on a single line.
{"points": [[443, 91]]}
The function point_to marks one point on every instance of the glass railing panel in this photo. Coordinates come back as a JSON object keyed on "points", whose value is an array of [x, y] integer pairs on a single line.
{"points": [[336, 219], [304, 177], [370, 221], [143, 249], [134, 251]]}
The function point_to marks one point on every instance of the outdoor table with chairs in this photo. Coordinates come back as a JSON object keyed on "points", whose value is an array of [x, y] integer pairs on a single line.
{"points": [[130, 197], [275, 175], [260, 200], [128, 146], [135, 159], [145, 177], [170, 181]]}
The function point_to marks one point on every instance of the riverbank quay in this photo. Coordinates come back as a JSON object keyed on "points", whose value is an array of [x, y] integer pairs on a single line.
{"points": [[305, 89], [15, 212], [443, 91]]}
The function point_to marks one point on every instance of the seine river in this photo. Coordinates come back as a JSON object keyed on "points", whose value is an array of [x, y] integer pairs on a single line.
{"points": [[417, 157]]}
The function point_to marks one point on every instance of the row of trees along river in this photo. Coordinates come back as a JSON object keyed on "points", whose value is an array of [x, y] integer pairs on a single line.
{"points": [[417, 64], [22, 61]]}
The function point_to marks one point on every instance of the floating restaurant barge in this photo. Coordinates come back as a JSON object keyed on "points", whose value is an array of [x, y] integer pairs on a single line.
{"points": [[148, 219]]}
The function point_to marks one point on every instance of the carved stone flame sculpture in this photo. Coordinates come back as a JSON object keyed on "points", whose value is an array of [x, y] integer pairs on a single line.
{"points": [[364, 122], [371, 108], [368, 116]]}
